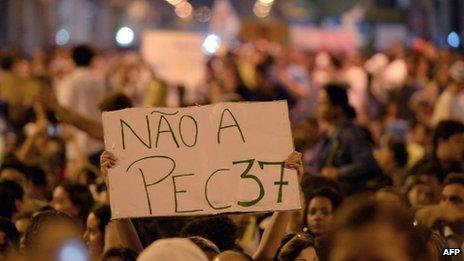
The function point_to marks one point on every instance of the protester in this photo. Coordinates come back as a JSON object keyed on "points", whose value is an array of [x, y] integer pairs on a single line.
{"points": [[389, 132]]}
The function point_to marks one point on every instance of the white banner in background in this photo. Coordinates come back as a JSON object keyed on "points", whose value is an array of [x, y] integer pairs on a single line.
{"points": [[176, 56]]}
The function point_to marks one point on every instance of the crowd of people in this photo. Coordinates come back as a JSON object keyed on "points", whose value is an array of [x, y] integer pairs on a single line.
{"points": [[379, 142]]}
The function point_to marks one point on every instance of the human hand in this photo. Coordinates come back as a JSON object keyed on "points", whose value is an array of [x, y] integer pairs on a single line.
{"points": [[107, 161], [294, 162]]}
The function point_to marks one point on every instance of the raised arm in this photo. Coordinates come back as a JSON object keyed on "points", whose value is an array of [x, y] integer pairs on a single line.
{"points": [[277, 228], [91, 127], [126, 230]]}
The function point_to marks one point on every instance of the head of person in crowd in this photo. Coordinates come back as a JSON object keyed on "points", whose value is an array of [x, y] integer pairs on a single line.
{"points": [[453, 191], [420, 133], [305, 134], [51, 235], [457, 76], [75, 200], [448, 144], [393, 158], [83, 55], [175, 249], [37, 183], [319, 210], [11, 199], [421, 190], [7, 63], [86, 175], [94, 235], [14, 171], [368, 229], [220, 230], [448, 140], [9, 239], [208, 247], [333, 104], [119, 254], [231, 255], [115, 101], [297, 247]]}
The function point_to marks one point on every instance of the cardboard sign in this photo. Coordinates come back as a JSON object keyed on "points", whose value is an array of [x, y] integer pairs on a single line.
{"points": [[226, 157]]}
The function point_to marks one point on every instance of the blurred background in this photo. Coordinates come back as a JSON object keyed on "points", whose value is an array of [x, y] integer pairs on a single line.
{"points": [[373, 24]]}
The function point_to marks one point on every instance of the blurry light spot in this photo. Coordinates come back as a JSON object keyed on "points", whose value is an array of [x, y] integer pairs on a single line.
{"points": [[184, 9], [266, 2], [73, 250], [124, 36], [174, 2], [261, 10], [211, 44], [62, 37], [203, 14], [453, 39]]}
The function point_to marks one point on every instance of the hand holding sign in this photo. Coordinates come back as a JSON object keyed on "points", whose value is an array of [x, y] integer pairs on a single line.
{"points": [[200, 160]]}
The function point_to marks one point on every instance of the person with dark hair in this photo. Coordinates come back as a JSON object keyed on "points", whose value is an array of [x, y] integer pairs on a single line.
{"points": [[83, 55], [11, 199], [393, 158], [447, 153], [221, 230], [80, 92], [74, 200], [115, 101], [119, 254], [297, 247], [369, 229], [319, 211], [343, 153], [94, 235], [48, 232], [37, 184], [421, 190], [9, 239], [6, 63]]}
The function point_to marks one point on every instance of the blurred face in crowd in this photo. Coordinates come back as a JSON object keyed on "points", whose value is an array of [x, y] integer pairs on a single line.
{"points": [[93, 237], [454, 147], [320, 215], [325, 111], [420, 195], [453, 194], [421, 135], [308, 254], [374, 241], [62, 202]]}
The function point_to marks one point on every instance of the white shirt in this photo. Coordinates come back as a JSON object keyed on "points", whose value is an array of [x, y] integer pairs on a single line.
{"points": [[81, 91], [449, 106]]}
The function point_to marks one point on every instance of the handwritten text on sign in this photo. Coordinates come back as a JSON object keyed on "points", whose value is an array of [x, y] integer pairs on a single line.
{"points": [[225, 157]]}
